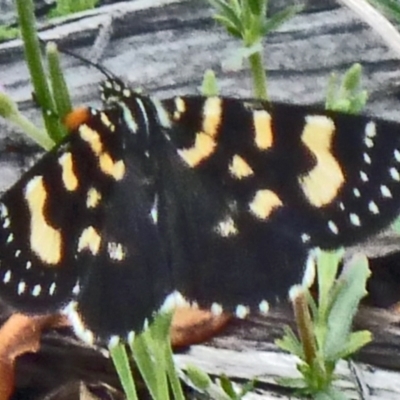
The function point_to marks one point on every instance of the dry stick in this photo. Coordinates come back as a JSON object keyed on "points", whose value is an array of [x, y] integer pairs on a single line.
{"points": [[377, 22]]}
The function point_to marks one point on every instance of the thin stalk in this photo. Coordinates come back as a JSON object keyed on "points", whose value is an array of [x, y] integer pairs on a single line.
{"points": [[259, 76]]}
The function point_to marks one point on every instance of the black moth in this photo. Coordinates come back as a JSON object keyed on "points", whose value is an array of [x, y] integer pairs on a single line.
{"points": [[215, 201]]}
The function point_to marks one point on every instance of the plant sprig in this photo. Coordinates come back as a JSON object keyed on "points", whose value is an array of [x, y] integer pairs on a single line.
{"points": [[247, 20]]}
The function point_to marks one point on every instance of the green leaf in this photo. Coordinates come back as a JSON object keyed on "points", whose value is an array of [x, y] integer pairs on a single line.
{"points": [[327, 268], [8, 32], [355, 342], [227, 15], [330, 394], [280, 18], [121, 362], [229, 26], [352, 289], [290, 343], [293, 383], [227, 387], [67, 7], [352, 77], [209, 87], [199, 378], [346, 96]]}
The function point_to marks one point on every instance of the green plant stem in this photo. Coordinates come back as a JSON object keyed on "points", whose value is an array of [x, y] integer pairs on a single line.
{"points": [[34, 61], [259, 76], [121, 362]]}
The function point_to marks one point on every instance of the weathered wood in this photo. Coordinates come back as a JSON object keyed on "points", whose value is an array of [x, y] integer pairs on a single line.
{"points": [[165, 46]]}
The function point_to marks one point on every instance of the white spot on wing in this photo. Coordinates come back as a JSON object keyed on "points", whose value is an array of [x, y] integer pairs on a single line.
{"points": [[52, 289], [36, 290], [370, 129], [242, 311], [7, 277], [369, 142], [76, 289], [355, 219], [333, 227], [263, 307], [216, 309], [373, 207], [385, 191], [394, 174], [21, 287], [363, 176], [367, 158], [305, 237], [3, 211], [79, 328]]}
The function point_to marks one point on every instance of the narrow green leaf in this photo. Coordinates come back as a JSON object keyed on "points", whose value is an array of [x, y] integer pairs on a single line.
{"points": [[227, 387], [145, 363], [354, 343], [121, 362], [280, 18], [229, 26], [290, 343], [327, 267]]}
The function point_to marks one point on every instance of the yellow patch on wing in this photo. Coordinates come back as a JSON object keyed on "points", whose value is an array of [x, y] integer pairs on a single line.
{"points": [[212, 113], [205, 143], [239, 167], [180, 108], [108, 166], [44, 240], [262, 129], [116, 169], [69, 178], [203, 146], [93, 198], [322, 184], [264, 203], [89, 240]]}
